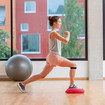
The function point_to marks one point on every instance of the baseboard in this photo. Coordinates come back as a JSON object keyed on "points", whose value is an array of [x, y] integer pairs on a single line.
{"points": [[5, 78], [81, 78]]}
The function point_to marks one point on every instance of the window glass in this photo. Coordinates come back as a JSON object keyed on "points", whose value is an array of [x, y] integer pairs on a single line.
{"points": [[30, 43]]}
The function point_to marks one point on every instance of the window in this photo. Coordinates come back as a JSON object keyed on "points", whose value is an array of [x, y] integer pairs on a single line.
{"points": [[30, 43], [24, 27], [5, 30], [73, 20], [55, 7], [2, 16], [30, 7]]}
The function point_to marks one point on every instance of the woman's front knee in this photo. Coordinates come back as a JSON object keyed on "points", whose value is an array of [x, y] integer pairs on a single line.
{"points": [[74, 65]]}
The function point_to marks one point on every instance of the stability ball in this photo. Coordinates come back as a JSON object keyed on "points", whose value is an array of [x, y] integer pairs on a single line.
{"points": [[18, 67]]}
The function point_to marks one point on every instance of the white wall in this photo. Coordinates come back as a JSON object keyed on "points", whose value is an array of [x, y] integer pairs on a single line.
{"points": [[95, 39], [57, 72], [62, 72]]}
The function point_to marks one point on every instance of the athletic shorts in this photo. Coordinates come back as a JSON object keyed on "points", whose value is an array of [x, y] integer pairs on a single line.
{"points": [[54, 59]]}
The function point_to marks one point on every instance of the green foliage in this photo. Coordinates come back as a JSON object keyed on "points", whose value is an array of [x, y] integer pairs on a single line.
{"points": [[74, 22], [5, 51]]}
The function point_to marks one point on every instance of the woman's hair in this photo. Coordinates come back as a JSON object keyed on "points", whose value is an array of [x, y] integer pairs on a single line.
{"points": [[53, 19]]}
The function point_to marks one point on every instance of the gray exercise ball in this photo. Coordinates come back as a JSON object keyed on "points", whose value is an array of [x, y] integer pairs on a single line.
{"points": [[19, 67]]}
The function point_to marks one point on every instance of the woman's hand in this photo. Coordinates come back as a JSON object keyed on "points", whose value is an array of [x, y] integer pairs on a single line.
{"points": [[67, 33]]}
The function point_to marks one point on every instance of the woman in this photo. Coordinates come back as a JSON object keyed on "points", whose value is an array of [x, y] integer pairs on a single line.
{"points": [[54, 58]]}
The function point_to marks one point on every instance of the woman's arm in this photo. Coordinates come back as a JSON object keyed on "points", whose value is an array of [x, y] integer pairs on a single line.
{"points": [[55, 35]]}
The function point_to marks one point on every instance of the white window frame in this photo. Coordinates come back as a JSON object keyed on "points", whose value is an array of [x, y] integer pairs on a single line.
{"points": [[31, 52], [82, 36], [29, 11], [24, 30], [83, 13]]}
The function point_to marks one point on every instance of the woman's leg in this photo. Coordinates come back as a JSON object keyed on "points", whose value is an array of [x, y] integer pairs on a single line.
{"points": [[47, 69], [67, 63]]}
